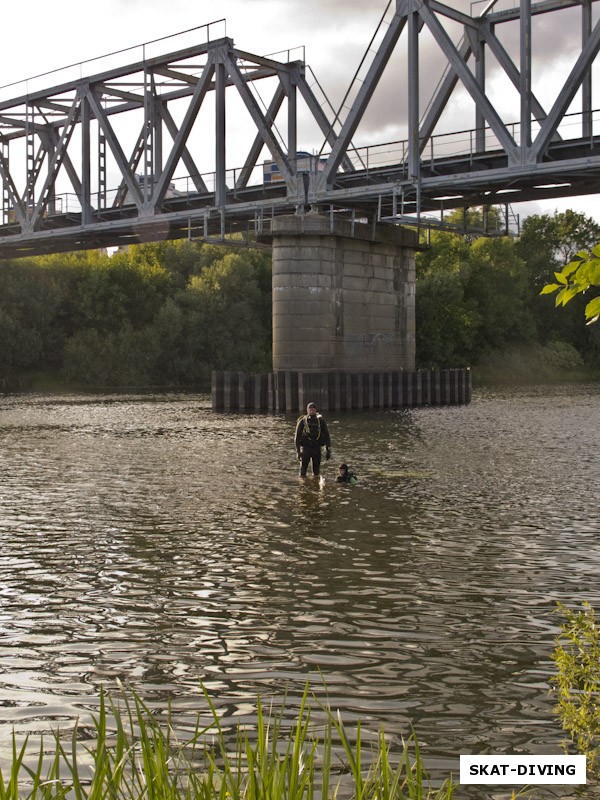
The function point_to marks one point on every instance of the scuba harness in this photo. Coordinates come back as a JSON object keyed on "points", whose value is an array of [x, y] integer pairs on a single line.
{"points": [[306, 429]]}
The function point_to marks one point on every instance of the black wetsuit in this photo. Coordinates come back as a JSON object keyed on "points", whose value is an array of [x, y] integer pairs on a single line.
{"points": [[311, 435]]}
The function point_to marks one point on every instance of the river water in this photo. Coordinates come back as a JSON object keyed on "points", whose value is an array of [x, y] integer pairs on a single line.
{"points": [[150, 540]]}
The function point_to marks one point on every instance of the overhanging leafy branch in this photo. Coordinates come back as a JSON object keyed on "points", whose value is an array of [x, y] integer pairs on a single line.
{"points": [[577, 277]]}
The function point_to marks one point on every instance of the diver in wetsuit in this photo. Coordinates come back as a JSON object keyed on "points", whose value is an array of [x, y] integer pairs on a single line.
{"points": [[345, 476], [311, 436]]}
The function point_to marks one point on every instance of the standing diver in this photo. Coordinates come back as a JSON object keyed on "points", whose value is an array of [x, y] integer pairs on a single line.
{"points": [[311, 435]]}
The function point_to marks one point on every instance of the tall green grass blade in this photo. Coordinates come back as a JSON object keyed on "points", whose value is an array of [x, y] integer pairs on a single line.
{"points": [[326, 761], [136, 755]]}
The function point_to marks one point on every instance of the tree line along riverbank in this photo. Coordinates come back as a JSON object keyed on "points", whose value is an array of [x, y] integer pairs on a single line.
{"points": [[167, 314]]}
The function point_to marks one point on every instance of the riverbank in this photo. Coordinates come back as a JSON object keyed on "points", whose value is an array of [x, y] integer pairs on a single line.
{"points": [[556, 362], [522, 366]]}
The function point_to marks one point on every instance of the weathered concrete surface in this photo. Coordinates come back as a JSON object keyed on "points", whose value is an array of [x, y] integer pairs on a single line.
{"points": [[343, 295], [343, 324]]}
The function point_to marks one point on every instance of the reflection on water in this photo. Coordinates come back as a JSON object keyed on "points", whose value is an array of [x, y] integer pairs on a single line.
{"points": [[150, 540]]}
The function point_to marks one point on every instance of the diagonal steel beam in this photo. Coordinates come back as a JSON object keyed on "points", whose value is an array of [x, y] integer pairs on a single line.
{"points": [[258, 143], [53, 106], [313, 106], [570, 88], [259, 119], [67, 164], [186, 157], [57, 159], [12, 122], [440, 101], [51, 137], [321, 119], [177, 75], [365, 92], [115, 147], [451, 13], [262, 61], [134, 160], [109, 92], [512, 72], [469, 81], [183, 133]]}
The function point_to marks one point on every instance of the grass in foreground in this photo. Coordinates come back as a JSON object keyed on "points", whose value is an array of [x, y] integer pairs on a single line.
{"points": [[132, 754]]}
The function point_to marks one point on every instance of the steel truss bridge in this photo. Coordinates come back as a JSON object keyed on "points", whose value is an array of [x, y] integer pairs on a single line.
{"points": [[140, 152]]}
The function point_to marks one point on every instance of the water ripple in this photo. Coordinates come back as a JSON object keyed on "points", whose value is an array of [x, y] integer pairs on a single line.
{"points": [[149, 540]]}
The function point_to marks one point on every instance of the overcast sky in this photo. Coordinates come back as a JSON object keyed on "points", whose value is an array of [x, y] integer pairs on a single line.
{"points": [[39, 36]]}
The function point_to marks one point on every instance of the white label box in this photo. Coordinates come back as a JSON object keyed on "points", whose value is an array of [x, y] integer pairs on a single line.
{"points": [[522, 770]]}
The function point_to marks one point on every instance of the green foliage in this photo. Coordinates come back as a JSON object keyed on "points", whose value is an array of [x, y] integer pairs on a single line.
{"points": [[134, 754], [561, 356], [496, 283], [579, 275], [124, 289], [547, 243], [477, 221], [152, 315], [478, 300], [227, 302], [470, 300], [167, 314], [29, 302], [124, 357], [447, 322], [577, 658]]}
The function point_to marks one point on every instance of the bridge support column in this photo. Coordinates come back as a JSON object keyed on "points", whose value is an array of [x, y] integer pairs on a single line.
{"points": [[343, 324], [343, 295]]}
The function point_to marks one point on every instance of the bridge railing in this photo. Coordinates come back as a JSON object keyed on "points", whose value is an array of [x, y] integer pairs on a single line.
{"points": [[137, 53], [181, 188], [458, 144]]}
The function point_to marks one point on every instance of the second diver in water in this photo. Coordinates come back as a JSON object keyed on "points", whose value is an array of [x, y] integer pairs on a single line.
{"points": [[345, 476]]}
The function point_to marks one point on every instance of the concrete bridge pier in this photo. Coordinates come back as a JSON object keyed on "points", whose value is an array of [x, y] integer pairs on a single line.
{"points": [[343, 324], [343, 295]]}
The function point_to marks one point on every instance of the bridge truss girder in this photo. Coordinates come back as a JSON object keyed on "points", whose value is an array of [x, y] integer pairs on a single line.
{"points": [[163, 99], [514, 168], [117, 140], [418, 16]]}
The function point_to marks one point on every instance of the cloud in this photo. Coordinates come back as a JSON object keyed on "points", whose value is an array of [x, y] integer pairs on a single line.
{"points": [[556, 44]]}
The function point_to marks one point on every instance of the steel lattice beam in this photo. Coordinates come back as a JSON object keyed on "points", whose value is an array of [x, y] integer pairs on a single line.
{"points": [[168, 117]]}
